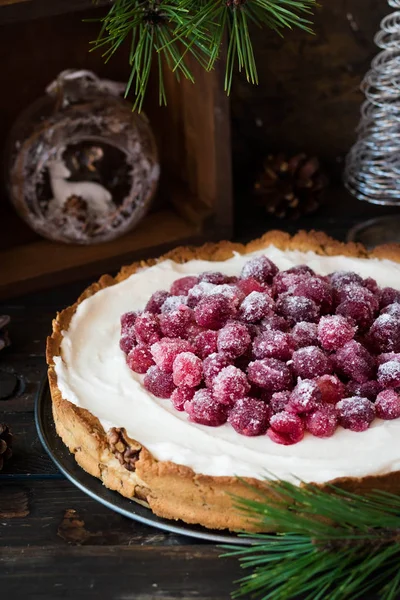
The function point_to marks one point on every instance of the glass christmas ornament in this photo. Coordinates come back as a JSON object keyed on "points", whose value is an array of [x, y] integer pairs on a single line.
{"points": [[83, 167]]}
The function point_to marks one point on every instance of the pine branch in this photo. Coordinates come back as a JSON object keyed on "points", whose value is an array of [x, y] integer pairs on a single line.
{"points": [[178, 28], [332, 544]]}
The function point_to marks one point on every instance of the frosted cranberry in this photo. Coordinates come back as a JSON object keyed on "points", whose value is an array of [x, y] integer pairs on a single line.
{"points": [[359, 312], [385, 333], [140, 359], [310, 362], [205, 343], [304, 334], [232, 292], [285, 281], [230, 385], [156, 301], [206, 410], [147, 328], [249, 416], [297, 308], [214, 277], [158, 382], [274, 322], [389, 374], [256, 306], [213, 312], [357, 294], [286, 429], [198, 292], [369, 389], [181, 286], [187, 370], [301, 270], [127, 322], [270, 374], [193, 330], [341, 278], [261, 268], [233, 339], [386, 356], [127, 342], [176, 322], [371, 285], [305, 397], [334, 331], [355, 362], [389, 296], [181, 395], [173, 303], [316, 289], [273, 344], [355, 413], [332, 389], [166, 350], [323, 422], [387, 405], [392, 309], [278, 401], [212, 365], [251, 285]]}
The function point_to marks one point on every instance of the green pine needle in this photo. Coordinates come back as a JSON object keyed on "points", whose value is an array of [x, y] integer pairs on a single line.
{"points": [[332, 544], [176, 29]]}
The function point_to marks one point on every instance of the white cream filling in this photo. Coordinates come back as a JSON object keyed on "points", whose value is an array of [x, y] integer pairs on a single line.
{"points": [[93, 374]]}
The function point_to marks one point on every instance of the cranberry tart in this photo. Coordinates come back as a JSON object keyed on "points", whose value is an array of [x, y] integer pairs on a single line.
{"points": [[183, 379]]}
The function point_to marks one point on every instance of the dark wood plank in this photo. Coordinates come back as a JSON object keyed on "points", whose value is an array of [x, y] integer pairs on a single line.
{"points": [[26, 10], [30, 372]]}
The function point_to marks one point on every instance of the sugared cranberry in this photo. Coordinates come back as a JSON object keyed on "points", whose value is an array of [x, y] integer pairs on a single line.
{"points": [[355, 413], [285, 281], [147, 328], [392, 309], [214, 277], [127, 342], [334, 331], [389, 374], [251, 285], [181, 395], [274, 322], [297, 308], [301, 270], [323, 422], [341, 278], [387, 356], [256, 306], [127, 322], [187, 370], [310, 362], [304, 334], [359, 312], [231, 292], [358, 294], [173, 303], [212, 365], [233, 339], [371, 285], [261, 268], [166, 350], [181, 286], [278, 401], [198, 292], [369, 389], [385, 333], [332, 389], [317, 290], [286, 429], [387, 405], [355, 362], [389, 296], [270, 374], [176, 322], [193, 331], [305, 397], [156, 301], [273, 344], [249, 416], [158, 382], [230, 385], [139, 359], [205, 343], [206, 410], [213, 312]]}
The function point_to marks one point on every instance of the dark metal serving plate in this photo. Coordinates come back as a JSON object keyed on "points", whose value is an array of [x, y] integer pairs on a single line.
{"points": [[92, 486]]}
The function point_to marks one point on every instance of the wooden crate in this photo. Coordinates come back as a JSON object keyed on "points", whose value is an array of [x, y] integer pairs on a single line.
{"points": [[194, 202]]}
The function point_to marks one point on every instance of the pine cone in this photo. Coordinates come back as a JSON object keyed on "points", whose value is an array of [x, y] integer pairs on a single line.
{"points": [[290, 188], [4, 339], [5, 444]]}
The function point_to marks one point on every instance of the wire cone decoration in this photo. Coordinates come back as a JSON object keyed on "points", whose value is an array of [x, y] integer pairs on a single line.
{"points": [[372, 170]]}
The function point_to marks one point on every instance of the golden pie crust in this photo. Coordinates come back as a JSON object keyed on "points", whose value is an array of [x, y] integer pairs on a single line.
{"points": [[170, 490]]}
